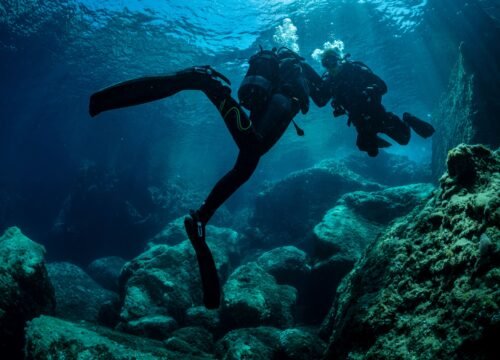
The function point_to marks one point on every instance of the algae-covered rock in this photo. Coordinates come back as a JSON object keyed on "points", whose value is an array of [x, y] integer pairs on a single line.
{"points": [[388, 168], [201, 316], [165, 280], [220, 237], [252, 297], [288, 209], [259, 343], [300, 344], [428, 287], [25, 288], [52, 338], [342, 236], [191, 340], [106, 271], [287, 264], [268, 343], [78, 297]]}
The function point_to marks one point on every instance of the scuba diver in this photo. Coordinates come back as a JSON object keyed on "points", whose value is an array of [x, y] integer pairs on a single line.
{"points": [[276, 87], [357, 91]]}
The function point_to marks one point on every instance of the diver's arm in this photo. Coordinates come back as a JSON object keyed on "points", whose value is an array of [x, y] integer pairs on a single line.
{"points": [[318, 89]]}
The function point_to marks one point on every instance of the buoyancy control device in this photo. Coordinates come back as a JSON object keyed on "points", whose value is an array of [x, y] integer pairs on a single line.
{"points": [[260, 80]]}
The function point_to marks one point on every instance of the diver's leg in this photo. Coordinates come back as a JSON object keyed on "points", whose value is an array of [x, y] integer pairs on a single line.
{"points": [[272, 124], [195, 224], [151, 88], [398, 130], [245, 165]]}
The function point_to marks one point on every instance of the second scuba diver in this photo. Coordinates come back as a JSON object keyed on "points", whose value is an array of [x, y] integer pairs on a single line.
{"points": [[276, 87], [357, 91]]}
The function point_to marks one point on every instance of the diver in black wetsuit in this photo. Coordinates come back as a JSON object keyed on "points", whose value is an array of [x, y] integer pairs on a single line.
{"points": [[357, 91], [276, 87]]}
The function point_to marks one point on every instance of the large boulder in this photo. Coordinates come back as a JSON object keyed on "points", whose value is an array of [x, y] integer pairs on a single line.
{"points": [[106, 271], [259, 343], [25, 289], [165, 280], [428, 287], [78, 297], [191, 340], [52, 338], [388, 168], [469, 108], [342, 236], [286, 211], [268, 343], [287, 264], [252, 298]]}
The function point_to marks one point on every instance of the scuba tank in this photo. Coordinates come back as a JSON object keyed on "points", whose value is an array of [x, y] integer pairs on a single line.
{"points": [[260, 80], [293, 82]]}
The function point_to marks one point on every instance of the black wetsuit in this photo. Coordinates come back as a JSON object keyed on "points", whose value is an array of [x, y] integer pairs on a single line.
{"points": [[254, 134], [357, 91], [268, 125]]}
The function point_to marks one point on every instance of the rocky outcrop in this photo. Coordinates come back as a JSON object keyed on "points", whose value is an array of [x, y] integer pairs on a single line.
{"points": [[468, 112], [267, 343], [389, 169], [51, 338], [165, 281], [106, 271], [78, 297], [345, 231], [287, 264], [25, 289], [252, 298], [191, 340], [428, 287], [288, 209]]}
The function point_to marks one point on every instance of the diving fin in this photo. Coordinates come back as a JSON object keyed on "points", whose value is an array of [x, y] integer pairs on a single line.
{"points": [[208, 272], [422, 128], [129, 93], [151, 88]]}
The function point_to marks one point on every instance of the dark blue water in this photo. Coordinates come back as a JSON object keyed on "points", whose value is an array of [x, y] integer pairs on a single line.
{"points": [[54, 54]]}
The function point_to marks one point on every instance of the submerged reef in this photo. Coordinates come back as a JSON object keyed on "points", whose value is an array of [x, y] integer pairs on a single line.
{"points": [[25, 289], [287, 210], [399, 272], [428, 288]]}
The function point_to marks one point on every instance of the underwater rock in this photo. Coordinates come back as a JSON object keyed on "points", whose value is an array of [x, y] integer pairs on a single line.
{"points": [[174, 233], [25, 288], [287, 264], [345, 231], [52, 338], [469, 109], [425, 289], [389, 169], [78, 297], [192, 340], [165, 280], [152, 326], [258, 343], [106, 271], [268, 343], [300, 344], [252, 298], [288, 209], [201, 316]]}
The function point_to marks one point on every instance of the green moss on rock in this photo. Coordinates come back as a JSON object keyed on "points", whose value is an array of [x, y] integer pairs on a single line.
{"points": [[427, 288]]}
